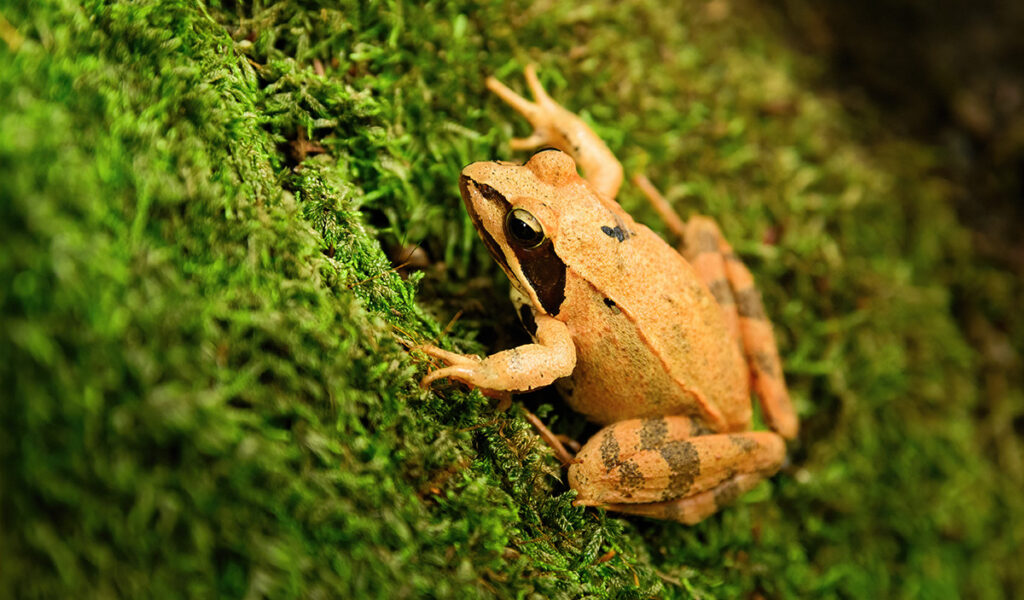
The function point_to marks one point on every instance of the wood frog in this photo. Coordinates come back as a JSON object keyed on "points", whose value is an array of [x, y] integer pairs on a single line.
{"points": [[662, 347]]}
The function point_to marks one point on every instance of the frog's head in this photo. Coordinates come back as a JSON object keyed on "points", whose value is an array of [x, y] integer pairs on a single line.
{"points": [[516, 209]]}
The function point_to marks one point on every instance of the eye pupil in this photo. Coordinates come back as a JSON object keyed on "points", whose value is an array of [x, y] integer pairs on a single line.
{"points": [[524, 228]]}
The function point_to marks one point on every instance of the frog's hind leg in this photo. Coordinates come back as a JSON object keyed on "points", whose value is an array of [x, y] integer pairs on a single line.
{"points": [[732, 285], [706, 245], [694, 509], [670, 467]]}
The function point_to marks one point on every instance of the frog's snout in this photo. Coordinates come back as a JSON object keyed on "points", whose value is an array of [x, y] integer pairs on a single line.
{"points": [[479, 188], [481, 172]]}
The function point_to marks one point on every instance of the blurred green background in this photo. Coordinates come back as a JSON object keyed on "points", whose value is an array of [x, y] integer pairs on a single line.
{"points": [[205, 390]]}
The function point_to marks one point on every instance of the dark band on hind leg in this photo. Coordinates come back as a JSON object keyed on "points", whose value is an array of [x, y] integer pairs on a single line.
{"points": [[746, 318]]}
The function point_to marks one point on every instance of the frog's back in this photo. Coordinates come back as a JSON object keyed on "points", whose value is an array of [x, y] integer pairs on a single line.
{"points": [[650, 338]]}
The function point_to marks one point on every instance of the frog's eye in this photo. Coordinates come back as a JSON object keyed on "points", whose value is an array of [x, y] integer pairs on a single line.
{"points": [[524, 229]]}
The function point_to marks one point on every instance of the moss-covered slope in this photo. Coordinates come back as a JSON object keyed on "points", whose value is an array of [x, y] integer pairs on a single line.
{"points": [[205, 391]]}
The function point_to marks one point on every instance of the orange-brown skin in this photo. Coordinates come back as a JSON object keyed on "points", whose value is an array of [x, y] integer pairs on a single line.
{"points": [[661, 346]]}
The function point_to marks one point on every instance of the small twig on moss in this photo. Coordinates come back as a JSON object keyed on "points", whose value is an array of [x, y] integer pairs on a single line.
{"points": [[452, 322]]}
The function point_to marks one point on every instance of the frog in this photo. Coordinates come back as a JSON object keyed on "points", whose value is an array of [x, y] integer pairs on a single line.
{"points": [[660, 346]]}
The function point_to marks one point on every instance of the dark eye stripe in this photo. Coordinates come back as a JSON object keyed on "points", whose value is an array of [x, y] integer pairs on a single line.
{"points": [[492, 194], [546, 274], [489, 241], [544, 271]]}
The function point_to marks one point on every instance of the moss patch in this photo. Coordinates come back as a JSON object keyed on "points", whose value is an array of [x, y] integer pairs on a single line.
{"points": [[206, 392]]}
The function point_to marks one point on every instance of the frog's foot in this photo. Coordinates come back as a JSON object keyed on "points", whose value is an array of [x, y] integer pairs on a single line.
{"points": [[663, 467], [451, 358], [556, 127], [458, 364], [542, 113], [520, 369]]}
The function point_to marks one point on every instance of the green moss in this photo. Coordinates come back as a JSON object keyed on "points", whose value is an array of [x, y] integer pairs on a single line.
{"points": [[201, 340]]}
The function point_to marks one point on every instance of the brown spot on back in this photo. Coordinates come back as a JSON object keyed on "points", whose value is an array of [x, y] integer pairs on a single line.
{"points": [[615, 232]]}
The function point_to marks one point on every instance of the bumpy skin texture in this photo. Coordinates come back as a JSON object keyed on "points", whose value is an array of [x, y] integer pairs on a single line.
{"points": [[661, 346]]}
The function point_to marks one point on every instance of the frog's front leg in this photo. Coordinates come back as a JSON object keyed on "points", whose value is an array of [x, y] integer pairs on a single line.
{"points": [[552, 356], [670, 468], [557, 127]]}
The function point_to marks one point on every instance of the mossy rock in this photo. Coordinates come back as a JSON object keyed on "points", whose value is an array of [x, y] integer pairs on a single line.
{"points": [[205, 386]]}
